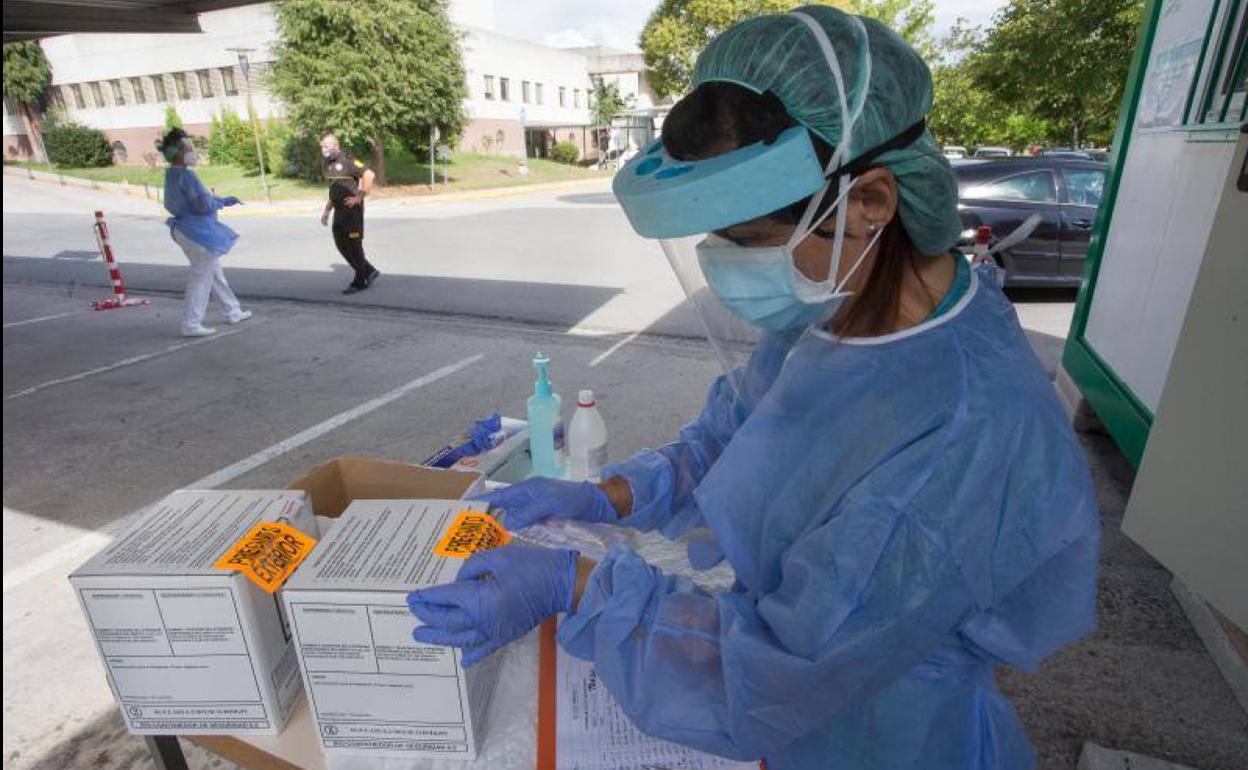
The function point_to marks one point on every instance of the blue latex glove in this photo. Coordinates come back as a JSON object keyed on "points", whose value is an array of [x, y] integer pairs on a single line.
{"points": [[535, 499], [499, 596], [230, 200], [704, 551]]}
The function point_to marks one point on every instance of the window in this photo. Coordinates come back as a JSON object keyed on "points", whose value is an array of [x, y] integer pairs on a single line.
{"points": [[576, 98], [563, 96], [119, 96], [205, 84], [500, 138], [136, 88], [1034, 186], [525, 88], [1084, 186], [97, 94], [504, 89], [538, 94], [179, 85], [489, 87], [79, 102], [158, 88], [1219, 94], [227, 80]]}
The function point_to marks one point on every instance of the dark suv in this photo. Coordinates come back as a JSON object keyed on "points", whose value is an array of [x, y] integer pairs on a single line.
{"points": [[1065, 192]]}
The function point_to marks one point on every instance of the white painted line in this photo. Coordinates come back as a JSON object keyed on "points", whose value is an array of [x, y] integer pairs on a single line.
{"points": [[611, 350], [37, 320], [81, 547], [122, 363]]}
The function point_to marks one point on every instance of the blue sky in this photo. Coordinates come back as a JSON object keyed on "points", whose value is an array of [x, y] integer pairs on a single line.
{"points": [[618, 23]]}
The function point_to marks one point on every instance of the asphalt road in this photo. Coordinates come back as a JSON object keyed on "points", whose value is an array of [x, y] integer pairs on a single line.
{"points": [[107, 412]]}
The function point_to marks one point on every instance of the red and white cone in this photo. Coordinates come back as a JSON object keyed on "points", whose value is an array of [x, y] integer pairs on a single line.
{"points": [[119, 298]]}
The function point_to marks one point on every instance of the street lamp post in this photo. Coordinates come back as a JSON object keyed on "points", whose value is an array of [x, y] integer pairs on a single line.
{"points": [[524, 143], [245, 66]]}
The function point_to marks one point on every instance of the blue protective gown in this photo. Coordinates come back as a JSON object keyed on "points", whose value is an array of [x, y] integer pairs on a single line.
{"points": [[903, 514], [194, 209]]}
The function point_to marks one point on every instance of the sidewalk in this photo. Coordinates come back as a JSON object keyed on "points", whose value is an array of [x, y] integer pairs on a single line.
{"points": [[305, 205]]}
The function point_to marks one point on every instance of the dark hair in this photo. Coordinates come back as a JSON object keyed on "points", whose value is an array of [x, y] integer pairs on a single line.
{"points": [[718, 117], [171, 139]]}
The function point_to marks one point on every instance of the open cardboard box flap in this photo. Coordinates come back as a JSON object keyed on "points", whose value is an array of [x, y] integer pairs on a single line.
{"points": [[335, 483]]}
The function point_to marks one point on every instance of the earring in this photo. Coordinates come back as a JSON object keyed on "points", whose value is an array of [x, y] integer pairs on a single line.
{"points": [[873, 227]]}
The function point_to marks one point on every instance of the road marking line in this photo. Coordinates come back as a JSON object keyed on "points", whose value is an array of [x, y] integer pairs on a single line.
{"points": [[611, 350], [122, 363], [37, 320], [93, 541]]}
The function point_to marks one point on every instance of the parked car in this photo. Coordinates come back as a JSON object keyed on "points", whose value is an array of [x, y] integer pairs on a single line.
{"points": [[993, 152], [1066, 152], [954, 152], [1002, 193]]}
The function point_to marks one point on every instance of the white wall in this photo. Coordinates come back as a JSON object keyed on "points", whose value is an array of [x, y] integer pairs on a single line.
{"points": [[488, 53], [82, 59], [1160, 228]]}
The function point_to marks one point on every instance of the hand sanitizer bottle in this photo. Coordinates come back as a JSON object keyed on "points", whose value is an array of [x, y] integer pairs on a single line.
{"points": [[587, 441], [544, 417]]}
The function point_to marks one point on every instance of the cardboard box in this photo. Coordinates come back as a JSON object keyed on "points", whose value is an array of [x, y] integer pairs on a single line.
{"points": [[372, 689], [333, 485], [189, 648]]}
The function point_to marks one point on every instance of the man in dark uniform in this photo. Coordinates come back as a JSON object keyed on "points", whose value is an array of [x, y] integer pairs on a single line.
{"points": [[349, 182]]}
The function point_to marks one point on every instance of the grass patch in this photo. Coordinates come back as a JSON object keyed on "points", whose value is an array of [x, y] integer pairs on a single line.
{"points": [[408, 176]]}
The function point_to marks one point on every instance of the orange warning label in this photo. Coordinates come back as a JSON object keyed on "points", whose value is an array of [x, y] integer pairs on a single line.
{"points": [[268, 554], [471, 531]]}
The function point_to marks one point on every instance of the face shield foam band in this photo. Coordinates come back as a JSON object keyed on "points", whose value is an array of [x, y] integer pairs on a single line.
{"points": [[664, 197]]}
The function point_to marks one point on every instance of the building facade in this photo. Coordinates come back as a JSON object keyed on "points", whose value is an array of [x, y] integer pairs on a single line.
{"points": [[521, 94]]}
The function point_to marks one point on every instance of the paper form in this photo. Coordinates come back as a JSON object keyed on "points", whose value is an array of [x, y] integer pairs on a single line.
{"points": [[595, 734]]}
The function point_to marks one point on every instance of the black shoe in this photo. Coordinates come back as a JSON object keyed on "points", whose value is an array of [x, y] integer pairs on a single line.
{"points": [[373, 276], [353, 288]]}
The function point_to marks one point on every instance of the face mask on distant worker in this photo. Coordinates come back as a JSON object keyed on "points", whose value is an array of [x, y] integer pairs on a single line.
{"points": [[330, 154], [190, 158]]}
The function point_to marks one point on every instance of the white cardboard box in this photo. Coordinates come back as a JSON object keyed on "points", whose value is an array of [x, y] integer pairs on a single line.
{"points": [[372, 689], [190, 649]]}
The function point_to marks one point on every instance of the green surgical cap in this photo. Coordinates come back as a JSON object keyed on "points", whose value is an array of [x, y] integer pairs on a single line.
{"points": [[886, 82]]}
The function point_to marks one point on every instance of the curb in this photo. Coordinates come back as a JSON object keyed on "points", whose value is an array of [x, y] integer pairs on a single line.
{"points": [[303, 205]]}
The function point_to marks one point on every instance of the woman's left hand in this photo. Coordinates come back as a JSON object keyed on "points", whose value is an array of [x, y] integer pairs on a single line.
{"points": [[498, 596]]}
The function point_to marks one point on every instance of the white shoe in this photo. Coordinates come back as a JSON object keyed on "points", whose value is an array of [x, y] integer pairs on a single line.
{"points": [[241, 316], [198, 331]]}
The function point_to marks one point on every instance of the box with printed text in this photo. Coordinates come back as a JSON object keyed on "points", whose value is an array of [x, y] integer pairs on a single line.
{"points": [[372, 689], [190, 647]]}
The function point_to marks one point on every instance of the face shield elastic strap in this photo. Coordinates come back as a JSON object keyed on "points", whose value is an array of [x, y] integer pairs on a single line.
{"points": [[847, 176]]}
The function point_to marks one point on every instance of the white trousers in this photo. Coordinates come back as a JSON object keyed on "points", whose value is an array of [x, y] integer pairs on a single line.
{"points": [[206, 277]]}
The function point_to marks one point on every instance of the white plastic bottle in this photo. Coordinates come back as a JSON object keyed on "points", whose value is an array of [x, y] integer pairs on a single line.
{"points": [[587, 440]]}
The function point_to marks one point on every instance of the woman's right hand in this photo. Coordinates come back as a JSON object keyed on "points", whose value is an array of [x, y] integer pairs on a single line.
{"points": [[533, 500]]}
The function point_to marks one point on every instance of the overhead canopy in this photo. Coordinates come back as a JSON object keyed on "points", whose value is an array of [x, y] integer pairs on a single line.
{"points": [[30, 19]]}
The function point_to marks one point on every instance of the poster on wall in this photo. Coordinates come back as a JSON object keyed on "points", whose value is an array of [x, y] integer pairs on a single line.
{"points": [[1177, 44], [1169, 80]]}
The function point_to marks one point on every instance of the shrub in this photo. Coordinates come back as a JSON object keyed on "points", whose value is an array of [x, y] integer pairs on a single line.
{"points": [[77, 146], [172, 118], [565, 152], [292, 154], [230, 140]]}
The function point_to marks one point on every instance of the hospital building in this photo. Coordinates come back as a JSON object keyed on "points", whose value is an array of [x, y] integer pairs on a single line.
{"points": [[521, 94]]}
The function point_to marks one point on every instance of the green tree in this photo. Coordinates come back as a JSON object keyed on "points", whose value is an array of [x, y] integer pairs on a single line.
{"points": [[1060, 62], [912, 19], [172, 118], [26, 80], [678, 30], [370, 70], [607, 103]]}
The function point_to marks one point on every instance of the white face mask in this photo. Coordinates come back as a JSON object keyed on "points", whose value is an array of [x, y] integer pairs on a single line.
{"points": [[190, 158]]}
